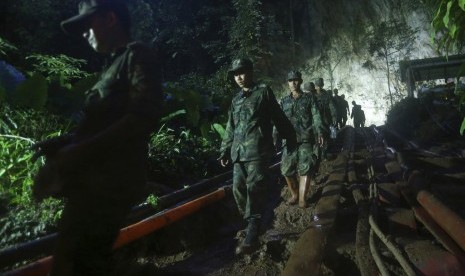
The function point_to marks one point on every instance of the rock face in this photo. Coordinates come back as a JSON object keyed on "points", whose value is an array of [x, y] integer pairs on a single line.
{"points": [[332, 40]]}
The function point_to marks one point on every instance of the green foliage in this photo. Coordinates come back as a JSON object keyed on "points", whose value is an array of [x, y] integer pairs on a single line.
{"points": [[152, 200], [19, 130], [390, 41], [448, 24], [17, 169], [61, 67], [247, 28], [448, 33], [462, 127], [32, 93], [6, 47], [405, 116], [181, 156], [219, 129], [201, 101], [29, 221]]}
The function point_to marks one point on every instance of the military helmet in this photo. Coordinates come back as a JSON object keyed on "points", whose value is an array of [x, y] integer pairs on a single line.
{"points": [[319, 82], [294, 75], [309, 86], [241, 64], [77, 24]]}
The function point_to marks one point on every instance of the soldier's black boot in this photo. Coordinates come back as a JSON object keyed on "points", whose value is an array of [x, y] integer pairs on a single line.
{"points": [[250, 242]]}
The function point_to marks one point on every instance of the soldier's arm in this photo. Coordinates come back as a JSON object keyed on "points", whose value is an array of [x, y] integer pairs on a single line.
{"points": [[228, 137], [317, 119], [333, 111], [280, 120], [277, 140]]}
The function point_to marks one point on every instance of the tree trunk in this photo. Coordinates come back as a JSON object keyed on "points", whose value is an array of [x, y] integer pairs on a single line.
{"points": [[388, 74], [291, 16]]}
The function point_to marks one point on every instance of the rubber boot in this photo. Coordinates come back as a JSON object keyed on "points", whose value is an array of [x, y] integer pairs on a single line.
{"points": [[251, 238], [292, 185], [304, 188]]}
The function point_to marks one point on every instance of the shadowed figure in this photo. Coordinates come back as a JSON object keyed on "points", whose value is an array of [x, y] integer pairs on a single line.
{"points": [[101, 165], [358, 115]]}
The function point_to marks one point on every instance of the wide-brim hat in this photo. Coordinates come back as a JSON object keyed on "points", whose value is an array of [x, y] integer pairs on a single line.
{"points": [[241, 64], [77, 24]]}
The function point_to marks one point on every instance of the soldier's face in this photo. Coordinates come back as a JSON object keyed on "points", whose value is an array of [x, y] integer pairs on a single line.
{"points": [[97, 34], [294, 85], [243, 78]]}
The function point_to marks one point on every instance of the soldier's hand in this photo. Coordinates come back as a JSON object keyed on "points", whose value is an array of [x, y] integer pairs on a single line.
{"points": [[41, 148], [223, 161], [50, 146], [321, 140]]}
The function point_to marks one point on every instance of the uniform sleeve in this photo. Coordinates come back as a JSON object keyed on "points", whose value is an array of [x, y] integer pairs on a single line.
{"points": [[228, 136], [276, 137], [317, 118], [332, 109], [145, 93], [280, 121]]}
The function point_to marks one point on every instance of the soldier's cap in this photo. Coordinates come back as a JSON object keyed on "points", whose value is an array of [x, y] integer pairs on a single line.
{"points": [[241, 64], [308, 86], [294, 75], [77, 24], [319, 82]]}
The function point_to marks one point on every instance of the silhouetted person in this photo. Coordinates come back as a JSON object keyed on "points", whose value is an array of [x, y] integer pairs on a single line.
{"points": [[328, 113], [343, 110], [103, 162], [358, 115]]}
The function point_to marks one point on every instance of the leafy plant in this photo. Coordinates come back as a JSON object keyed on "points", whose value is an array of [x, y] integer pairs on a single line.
{"points": [[32, 93], [29, 221], [448, 24], [6, 47], [390, 41], [61, 67], [246, 29], [177, 156], [19, 130], [199, 100], [448, 32]]}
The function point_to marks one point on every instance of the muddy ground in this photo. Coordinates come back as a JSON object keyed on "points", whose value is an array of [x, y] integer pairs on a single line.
{"points": [[204, 244]]}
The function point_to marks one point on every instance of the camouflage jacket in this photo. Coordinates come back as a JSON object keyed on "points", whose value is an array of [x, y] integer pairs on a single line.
{"points": [[304, 116], [327, 107], [249, 129], [129, 84]]}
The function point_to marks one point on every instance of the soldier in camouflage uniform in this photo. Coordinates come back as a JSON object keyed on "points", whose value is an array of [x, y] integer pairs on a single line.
{"points": [[328, 112], [103, 163], [302, 111], [248, 143]]}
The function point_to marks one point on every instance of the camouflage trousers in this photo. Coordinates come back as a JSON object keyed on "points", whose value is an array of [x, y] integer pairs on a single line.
{"points": [[302, 160], [250, 187]]}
